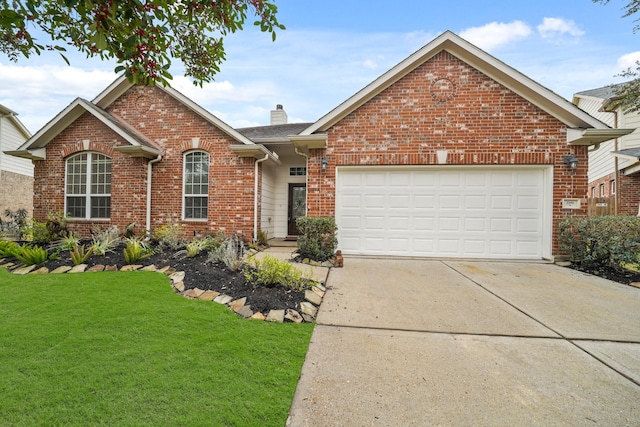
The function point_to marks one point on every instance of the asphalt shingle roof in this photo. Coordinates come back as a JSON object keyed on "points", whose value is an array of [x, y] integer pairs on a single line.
{"points": [[273, 131]]}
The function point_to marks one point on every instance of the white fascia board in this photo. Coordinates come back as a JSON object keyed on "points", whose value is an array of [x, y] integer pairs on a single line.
{"points": [[594, 136], [256, 151], [112, 92], [310, 142]]}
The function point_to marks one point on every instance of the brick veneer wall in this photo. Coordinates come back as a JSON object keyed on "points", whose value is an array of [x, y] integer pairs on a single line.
{"points": [[628, 194], [445, 104], [175, 129], [606, 180]]}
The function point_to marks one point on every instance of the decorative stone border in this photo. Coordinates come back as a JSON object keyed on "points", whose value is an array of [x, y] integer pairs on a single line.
{"points": [[308, 308]]}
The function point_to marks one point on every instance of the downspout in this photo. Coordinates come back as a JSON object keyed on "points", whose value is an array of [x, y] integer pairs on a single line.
{"points": [[616, 173], [149, 169], [255, 196]]}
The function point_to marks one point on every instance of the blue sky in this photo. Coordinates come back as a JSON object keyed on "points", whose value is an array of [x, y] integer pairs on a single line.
{"points": [[332, 48]]}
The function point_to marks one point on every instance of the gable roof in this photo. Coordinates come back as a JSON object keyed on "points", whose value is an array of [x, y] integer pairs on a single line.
{"points": [[122, 84], [540, 96], [13, 116], [34, 148], [139, 146]]}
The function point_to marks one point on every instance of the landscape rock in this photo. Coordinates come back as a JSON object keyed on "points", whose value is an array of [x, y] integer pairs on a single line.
{"points": [[41, 270], [308, 308], [80, 268], [293, 316], [312, 297], [259, 316], [168, 270], [131, 267], [62, 269], [179, 286], [307, 318], [178, 276], [111, 268], [24, 270], [8, 265], [223, 299], [635, 284], [318, 291], [193, 293], [245, 311], [563, 263], [149, 268], [208, 295], [235, 305], [322, 288], [96, 268], [275, 316]]}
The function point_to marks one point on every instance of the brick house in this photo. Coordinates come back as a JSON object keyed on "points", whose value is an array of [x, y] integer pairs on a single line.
{"points": [[614, 164], [450, 153]]}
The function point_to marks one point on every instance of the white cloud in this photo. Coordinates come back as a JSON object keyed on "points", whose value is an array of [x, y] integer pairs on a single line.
{"points": [[556, 27], [495, 34], [629, 60]]}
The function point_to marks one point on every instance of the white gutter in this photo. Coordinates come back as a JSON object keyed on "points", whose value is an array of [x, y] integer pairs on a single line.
{"points": [[255, 196], [149, 169]]}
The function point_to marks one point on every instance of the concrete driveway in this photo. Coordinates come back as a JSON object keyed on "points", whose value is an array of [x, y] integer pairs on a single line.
{"points": [[430, 342]]}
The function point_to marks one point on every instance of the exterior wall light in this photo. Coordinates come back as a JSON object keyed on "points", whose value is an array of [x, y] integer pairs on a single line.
{"points": [[324, 163], [571, 161]]}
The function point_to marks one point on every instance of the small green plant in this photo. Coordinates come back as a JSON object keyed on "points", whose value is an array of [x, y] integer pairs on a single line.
{"points": [[8, 249], [79, 255], [317, 239], [105, 240], [136, 250], [230, 253], [32, 255], [262, 238], [169, 235], [54, 229], [271, 271], [17, 225], [69, 242]]}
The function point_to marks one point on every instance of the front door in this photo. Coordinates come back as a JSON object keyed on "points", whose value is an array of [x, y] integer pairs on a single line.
{"points": [[297, 206]]}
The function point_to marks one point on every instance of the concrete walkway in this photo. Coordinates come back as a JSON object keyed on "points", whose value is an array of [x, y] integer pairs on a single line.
{"points": [[428, 342]]}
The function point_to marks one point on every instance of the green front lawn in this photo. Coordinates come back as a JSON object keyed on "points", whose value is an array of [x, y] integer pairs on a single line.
{"points": [[121, 348]]}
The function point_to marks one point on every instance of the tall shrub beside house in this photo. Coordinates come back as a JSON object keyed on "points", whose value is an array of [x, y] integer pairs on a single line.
{"points": [[601, 241], [317, 239]]}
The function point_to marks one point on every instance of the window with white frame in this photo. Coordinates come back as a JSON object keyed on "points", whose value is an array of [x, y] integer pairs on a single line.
{"points": [[88, 186], [593, 191], [196, 185], [602, 190], [612, 187]]}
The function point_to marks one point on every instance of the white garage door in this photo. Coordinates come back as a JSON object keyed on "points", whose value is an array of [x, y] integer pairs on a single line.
{"points": [[476, 212]]}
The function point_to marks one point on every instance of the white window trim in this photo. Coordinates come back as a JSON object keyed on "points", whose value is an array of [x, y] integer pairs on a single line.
{"points": [[87, 194], [184, 185]]}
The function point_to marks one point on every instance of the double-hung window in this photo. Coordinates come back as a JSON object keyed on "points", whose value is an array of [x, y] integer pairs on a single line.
{"points": [[88, 186], [196, 185]]}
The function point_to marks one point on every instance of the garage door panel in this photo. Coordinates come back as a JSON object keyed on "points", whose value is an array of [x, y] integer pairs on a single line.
{"points": [[457, 212]]}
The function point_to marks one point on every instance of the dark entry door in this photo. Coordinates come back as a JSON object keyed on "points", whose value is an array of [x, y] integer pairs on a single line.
{"points": [[297, 206]]}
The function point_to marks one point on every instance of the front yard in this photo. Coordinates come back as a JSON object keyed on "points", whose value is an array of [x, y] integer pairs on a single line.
{"points": [[121, 348]]}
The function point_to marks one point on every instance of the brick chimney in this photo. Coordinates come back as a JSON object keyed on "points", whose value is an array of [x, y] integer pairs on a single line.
{"points": [[278, 116]]}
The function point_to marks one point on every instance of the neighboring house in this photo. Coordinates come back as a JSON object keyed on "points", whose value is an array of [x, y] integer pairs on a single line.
{"points": [[16, 174], [451, 153], [614, 164]]}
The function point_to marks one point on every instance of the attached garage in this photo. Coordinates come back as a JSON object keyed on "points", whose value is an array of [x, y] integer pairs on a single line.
{"points": [[453, 211]]}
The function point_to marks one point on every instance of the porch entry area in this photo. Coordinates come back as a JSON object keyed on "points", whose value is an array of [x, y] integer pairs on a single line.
{"points": [[297, 207]]}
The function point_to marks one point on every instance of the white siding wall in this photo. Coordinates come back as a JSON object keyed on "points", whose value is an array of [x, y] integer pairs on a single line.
{"points": [[629, 121], [601, 161], [10, 139], [267, 214], [278, 196]]}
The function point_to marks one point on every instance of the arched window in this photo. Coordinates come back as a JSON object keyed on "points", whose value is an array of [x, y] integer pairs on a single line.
{"points": [[88, 186], [196, 185]]}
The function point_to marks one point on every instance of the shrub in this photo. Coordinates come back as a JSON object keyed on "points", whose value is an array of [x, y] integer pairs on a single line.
{"points": [[79, 255], [601, 241], [8, 249], [262, 238], [230, 253], [32, 255], [271, 271], [169, 235], [17, 224], [317, 239], [69, 242], [135, 250], [194, 247], [105, 240], [55, 228]]}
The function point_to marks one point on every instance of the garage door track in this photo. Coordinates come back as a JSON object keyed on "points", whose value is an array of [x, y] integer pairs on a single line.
{"points": [[431, 342]]}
